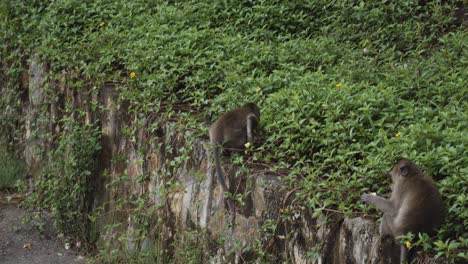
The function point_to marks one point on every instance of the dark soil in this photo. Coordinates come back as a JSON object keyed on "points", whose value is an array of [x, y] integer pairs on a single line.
{"points": [[30, 238]]}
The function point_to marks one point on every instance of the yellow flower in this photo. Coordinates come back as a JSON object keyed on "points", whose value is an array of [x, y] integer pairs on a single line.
{"points": [[102, 24], [247, 145], [132, 75], [408, 244], [338, 85], [398, 134]]}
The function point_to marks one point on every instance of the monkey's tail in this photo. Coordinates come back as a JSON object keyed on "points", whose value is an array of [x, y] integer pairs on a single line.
{"points": [[219, 172]]}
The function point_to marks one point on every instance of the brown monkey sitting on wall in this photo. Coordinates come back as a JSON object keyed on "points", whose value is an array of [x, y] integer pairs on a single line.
{"points": [[232, 131], [415, 204]]}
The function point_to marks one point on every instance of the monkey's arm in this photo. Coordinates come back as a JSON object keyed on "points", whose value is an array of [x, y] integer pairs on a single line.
{"points": [[382, 204], [250, 124]]}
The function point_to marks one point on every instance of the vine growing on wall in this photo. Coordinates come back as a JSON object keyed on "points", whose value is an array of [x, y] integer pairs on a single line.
{"points": [[66, 183]]}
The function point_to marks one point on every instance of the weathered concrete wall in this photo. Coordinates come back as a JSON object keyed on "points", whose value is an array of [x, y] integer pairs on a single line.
{"points": [[144, 152]]}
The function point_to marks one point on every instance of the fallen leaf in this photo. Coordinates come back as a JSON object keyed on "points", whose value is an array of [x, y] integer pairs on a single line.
{"points": [[27, 245]]}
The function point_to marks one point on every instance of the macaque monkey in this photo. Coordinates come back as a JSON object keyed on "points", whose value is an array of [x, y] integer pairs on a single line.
{"points": [[415, 204], [233, 130]]}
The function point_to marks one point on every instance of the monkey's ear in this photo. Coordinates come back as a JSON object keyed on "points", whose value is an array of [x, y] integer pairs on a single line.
{"points": [[404, 170]]}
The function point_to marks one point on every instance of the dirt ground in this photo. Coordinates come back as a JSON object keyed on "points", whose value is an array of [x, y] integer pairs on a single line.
{"points": [[27, 239]]}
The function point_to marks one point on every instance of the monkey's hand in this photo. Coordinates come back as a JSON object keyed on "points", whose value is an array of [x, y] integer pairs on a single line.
{"points": [[367, 197]]}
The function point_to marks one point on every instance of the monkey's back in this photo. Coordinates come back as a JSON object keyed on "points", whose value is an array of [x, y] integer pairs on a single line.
{"points": [[422, 208], [231, 125]]}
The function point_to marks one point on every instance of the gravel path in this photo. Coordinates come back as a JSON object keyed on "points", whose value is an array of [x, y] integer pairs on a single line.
{"points": [[22, 243]]}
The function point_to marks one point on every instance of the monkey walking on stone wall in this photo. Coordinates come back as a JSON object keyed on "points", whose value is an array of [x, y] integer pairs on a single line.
{"points": [[415, 204], [232, 131]]}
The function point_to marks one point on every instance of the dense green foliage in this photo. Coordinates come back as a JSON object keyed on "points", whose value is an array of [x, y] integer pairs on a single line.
{"points": [[11, 169], [345, 87], [69, 178]]}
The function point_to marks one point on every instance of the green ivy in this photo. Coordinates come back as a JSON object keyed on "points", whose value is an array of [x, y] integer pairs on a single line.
{"points": [[12, 169], [67, 182]]}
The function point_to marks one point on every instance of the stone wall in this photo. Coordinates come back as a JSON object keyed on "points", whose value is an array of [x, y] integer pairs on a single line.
{"points": [[304, 240]]}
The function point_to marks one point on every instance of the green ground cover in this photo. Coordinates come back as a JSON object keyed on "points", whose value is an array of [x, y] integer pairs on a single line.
{"points": [[11, 169], [345, 87]]}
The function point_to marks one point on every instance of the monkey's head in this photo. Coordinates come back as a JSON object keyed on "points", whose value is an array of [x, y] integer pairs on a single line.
{"points": [[403, 169], [254, 108]]}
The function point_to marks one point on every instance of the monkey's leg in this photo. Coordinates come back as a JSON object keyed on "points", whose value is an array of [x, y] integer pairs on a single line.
{"points": [[384, 228], [403, 254]]}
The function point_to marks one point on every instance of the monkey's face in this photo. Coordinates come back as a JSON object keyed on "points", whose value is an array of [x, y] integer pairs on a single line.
{"points": [[404, 168], [394, 174], [396, 171]]}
